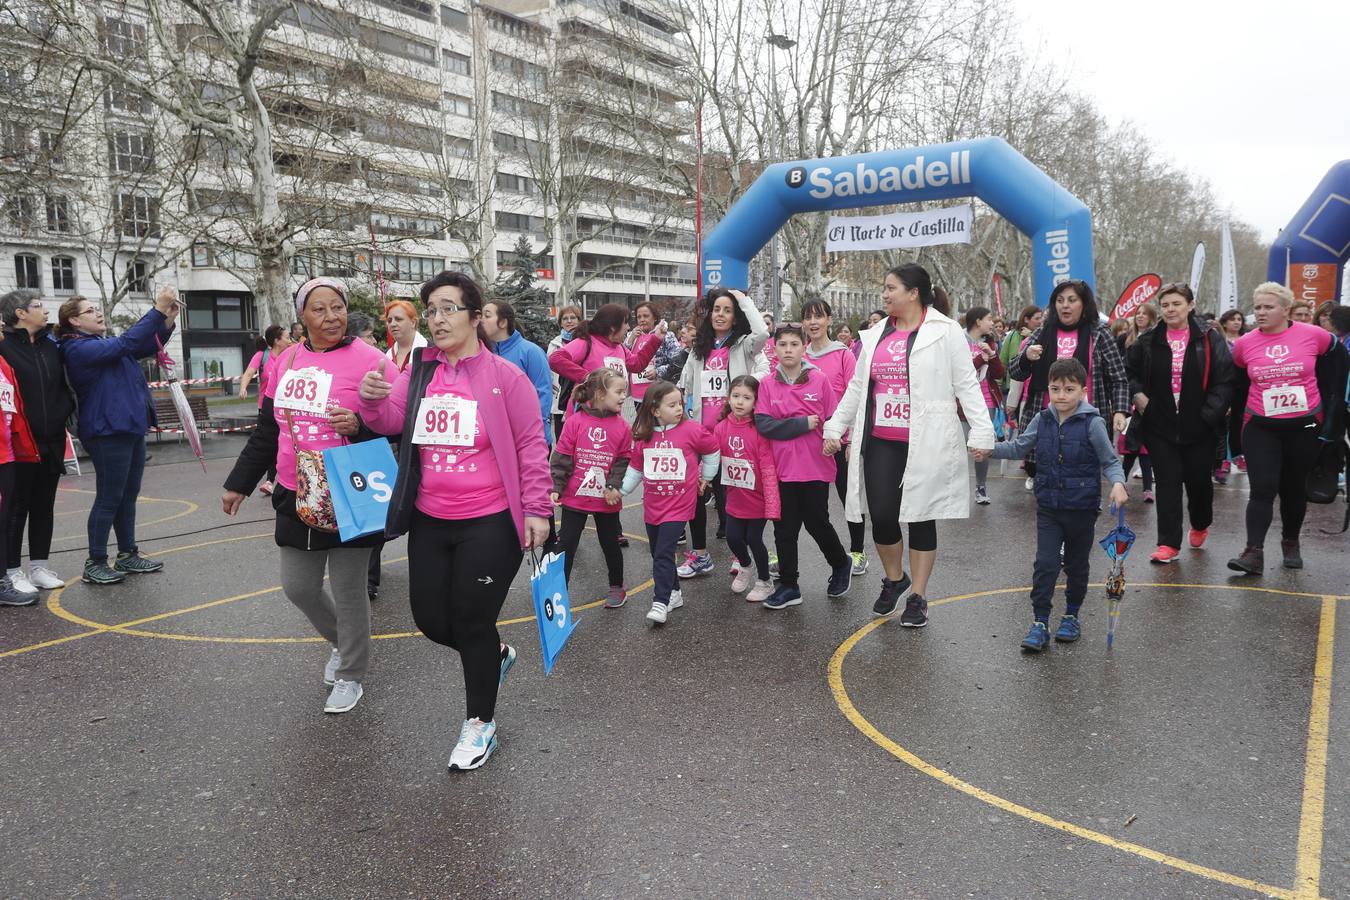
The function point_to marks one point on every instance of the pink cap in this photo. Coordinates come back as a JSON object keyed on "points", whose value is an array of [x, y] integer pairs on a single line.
{"points": [[308, 288]]}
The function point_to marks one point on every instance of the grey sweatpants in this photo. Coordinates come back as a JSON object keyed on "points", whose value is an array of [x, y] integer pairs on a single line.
{"points": [[343, 617]]}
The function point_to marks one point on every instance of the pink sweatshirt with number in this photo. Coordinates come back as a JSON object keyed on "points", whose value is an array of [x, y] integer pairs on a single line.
{"points": [[346, 366], [574, 362], [798, 458], [665, 499], [747, 459]]}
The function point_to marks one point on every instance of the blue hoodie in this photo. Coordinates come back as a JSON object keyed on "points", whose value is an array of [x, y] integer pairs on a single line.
{"points": [[531, 359], [108, 381]]}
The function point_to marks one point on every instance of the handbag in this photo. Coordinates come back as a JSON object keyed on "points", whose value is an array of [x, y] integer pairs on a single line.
{"points": [[1321, 484], [313, 497], [363, 477]]}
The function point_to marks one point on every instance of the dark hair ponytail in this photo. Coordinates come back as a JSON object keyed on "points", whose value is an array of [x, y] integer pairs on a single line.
{"points": [[913, 275], [606, 319], [594, 386]]}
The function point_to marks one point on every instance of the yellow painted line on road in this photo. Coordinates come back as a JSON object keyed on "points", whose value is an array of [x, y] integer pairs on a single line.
{"points": [[1310, 825], [191, 508], [1308, 868]]}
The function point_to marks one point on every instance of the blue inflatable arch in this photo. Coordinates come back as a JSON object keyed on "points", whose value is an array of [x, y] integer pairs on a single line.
{"points": [[1317, 236], [1058, 223]]}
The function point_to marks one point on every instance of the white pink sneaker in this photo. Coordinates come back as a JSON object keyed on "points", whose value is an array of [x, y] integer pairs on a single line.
{"points": [[759, 592], [741, 580]]}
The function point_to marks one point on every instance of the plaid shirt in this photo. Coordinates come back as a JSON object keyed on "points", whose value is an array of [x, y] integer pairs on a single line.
{"points": [[1110, 383]]}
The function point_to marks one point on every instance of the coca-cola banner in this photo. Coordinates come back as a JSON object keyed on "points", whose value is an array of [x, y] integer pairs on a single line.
{"points": [[1140, 291]]}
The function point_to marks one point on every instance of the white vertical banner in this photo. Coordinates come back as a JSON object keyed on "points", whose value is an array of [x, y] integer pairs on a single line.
{"points": [[1197, 268], [1227, 273]]}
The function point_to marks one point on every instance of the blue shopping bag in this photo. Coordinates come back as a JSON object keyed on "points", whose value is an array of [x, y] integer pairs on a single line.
{"points": [[361, 478], [552, 609]]}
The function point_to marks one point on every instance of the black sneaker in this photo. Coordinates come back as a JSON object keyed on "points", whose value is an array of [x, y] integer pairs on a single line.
{"points": [[1252, 561], [372, 593], [136, 564], [891, 592], [1293, 558], [916, 612], [101, 573], [840, 579], [623, 541]]}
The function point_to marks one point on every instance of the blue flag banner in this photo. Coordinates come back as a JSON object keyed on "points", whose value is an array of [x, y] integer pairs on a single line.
{"points": [[361, 478], [552, 609]]}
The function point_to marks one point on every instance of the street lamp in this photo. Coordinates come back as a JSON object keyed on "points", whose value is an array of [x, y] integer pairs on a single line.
{"points": [[781, 42]]}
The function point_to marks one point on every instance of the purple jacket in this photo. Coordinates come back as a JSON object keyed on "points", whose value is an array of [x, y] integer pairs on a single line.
{"points": [[512, 422]]}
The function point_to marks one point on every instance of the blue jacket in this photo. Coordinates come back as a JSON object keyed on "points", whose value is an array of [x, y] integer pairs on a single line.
{"points": [[531, 359], [1071, 457], [108, 382]]}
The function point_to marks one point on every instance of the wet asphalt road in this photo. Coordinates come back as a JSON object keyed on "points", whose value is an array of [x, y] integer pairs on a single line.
{"points": [[187, 754]]}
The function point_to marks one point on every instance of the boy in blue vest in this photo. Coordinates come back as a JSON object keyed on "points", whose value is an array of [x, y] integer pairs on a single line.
{"points": [[1073, 451]]}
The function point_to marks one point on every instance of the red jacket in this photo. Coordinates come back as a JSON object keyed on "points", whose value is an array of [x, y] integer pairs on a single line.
{"points": [[21, 436]]}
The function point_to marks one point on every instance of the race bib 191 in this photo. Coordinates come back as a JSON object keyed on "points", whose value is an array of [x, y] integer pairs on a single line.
{"points": [[447, 421], [304, 391], [663, 464], [1292, 399], [892, 409], [738, 473], [714, 383]]}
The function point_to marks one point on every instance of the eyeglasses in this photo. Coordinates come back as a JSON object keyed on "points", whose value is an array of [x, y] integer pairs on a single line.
{"points": [[85, 312], [36, 304], [448, 310]]}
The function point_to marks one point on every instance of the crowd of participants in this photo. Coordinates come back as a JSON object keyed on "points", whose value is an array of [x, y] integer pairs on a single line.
{"points": [[505, 448]]}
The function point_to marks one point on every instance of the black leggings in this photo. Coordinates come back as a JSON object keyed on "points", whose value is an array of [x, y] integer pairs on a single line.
{"points": [[857, 531], [805, 503], [458, 576], [606, 526], [698, 525], [884, 471], [34, 499], [745, 537], [1277, 464], [1145, 468]]}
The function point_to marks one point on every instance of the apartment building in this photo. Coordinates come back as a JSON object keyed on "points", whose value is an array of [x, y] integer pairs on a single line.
{"points": [[408, 136]]}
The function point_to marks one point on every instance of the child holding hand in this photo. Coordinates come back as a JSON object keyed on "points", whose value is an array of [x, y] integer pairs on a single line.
{"points": [[751, 481]]}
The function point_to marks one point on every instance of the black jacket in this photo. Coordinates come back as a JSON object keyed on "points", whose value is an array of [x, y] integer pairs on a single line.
{"points": [[47, 400], [1206, 384]]}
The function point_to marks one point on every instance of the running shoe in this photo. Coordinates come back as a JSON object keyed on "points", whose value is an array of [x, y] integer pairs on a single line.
{"points": [[372, 593], [891, 592], [1251, 562], [761, 591], [1164, 554], [1241, 464], [43, 578], [741, 580], [477, 740], [695, 564], [658, 612], [1293, 559], [784, 596], [859, 562], [508, 659], [916, 612], [735, 566], [721, 532], [841, 578], [11, 597], [982, 496], [1220, 476], [101, 573], [1030, 484], [773, 565], [623, 541], [1038, 638], [1069, 630], [330, 668], [676, 599], [1198, 536], [344, 696], [136, 564], [1148, 496], [20, 583], [617, 597], [684, 538]]}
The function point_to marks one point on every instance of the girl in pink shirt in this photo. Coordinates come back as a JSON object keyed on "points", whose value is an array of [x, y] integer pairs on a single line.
{"points": [[793, 403], [588, 466], [676, 458], [751, 482], [599, 343]]}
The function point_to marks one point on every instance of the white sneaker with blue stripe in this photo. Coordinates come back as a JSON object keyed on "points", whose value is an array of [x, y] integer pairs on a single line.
{"points": [[477, 740]]}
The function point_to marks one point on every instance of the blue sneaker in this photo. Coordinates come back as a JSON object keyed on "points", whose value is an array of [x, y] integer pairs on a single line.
{"points": [[508, 660], [1069, 630], [840, 579], [695, 564], [477, 740], [1037, 639], [786, 595]]}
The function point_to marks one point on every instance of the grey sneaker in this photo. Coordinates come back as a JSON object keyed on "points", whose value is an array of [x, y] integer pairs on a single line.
{"points": [[330, 668], [136, 564], [344, 696], [101, 573], [477, 740], [11, 597]]}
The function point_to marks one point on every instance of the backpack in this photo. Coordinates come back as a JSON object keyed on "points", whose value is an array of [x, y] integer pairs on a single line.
{"points": [[566, 385]]}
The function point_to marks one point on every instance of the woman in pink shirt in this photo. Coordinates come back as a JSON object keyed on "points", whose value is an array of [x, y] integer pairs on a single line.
{"points": [[1280, 408], [311, 405], [264, 363], [599, 343], [472, 491], [794, 402]]}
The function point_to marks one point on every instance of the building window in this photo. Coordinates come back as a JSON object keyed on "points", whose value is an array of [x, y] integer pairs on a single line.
{"points": [[13, 139], [20, 211], [514, 143], [453, 18], [520, 222], [517, 106], [121, 97], [63, 274], [398, 45], [129, 152], [404, 224], [534, 75], [58, 214], [411, 268], [520, 184], [122, 39], [138, 277], [26, 271], [456, 105], [139, 215], [420, 8], [454, 62]]}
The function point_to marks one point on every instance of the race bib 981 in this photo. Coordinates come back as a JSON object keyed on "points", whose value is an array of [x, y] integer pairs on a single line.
{"points": [[447, 421]]}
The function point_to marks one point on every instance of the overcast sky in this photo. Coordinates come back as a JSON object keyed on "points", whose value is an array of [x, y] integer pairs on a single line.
{"points": [[1254, 98]]}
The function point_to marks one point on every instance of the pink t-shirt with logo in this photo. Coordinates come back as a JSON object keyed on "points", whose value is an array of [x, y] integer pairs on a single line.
{"points": [[666, 498], [799, 459], [715, 385], [890, 384], [459, 482], [1176, 342], [742, 448], [321, 382], [981, 370], [594, 443], [1283, 370], [1066, 345]]}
